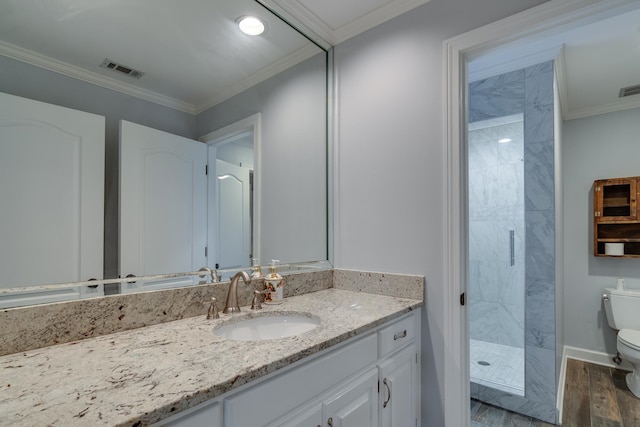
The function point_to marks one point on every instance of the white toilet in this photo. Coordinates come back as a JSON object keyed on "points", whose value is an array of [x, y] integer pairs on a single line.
{"points": [[623, 314]]}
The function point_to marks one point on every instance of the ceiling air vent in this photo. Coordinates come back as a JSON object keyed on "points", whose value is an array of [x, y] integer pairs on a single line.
{"points": [[112, 65], [628, 91]]}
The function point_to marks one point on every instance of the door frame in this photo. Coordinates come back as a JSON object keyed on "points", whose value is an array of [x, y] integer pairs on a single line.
{"points": [[555, 15], [219, 137]]}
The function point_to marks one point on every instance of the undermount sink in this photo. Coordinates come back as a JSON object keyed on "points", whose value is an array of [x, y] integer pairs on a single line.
{"points": [[266, 327]]}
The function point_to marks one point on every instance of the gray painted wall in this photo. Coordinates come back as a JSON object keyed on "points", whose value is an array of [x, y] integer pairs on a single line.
{"points": [[389, 176], [596, 147], [293, 110]]}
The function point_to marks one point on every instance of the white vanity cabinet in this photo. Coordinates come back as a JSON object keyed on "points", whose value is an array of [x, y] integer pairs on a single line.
{"points": [[354, 403], [399, 374], [368, 381], [305, 385], [398, 377]]}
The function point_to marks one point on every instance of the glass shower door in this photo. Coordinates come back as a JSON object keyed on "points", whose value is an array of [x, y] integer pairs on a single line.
{"points": [[496, 254]]}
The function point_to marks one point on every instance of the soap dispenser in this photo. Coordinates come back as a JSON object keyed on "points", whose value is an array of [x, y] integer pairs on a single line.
{"points": [[273, 281]]}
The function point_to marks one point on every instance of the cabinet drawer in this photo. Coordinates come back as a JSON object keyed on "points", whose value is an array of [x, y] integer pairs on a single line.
{"points": [[396, 335]]}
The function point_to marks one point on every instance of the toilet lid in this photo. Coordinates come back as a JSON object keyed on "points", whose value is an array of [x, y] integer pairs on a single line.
{"points": [[630, 338]]}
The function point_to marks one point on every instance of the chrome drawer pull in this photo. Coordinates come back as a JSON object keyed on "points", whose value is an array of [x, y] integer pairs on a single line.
{"points": [[398, 336], [386, 402], [330, 422]]}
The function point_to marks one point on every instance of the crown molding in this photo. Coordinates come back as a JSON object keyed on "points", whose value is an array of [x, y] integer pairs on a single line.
{"points": [[367, 21], [612, 107], [376, 17], [261, 75], [60, 67]]}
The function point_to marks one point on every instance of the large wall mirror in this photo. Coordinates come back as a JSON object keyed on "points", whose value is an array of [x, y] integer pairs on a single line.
{"points": [[160, 71]]}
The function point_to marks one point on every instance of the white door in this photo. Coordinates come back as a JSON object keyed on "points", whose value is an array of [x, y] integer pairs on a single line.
{"points": [[232, 211], [163, 218], [52, 195], [355, 405]]}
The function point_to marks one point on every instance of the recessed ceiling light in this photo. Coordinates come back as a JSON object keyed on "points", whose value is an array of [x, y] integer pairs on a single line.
{"points": [[251, 25], [504, 140]]}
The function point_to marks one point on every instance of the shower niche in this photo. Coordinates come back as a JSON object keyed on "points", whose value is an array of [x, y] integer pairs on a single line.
{"points": [[615, 217]]}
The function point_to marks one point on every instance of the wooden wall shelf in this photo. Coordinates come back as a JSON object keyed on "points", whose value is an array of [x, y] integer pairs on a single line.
{"points": [[615, 216]]}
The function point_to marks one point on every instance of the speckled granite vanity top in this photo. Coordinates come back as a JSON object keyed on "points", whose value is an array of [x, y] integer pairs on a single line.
{"points": [[141, 376]]}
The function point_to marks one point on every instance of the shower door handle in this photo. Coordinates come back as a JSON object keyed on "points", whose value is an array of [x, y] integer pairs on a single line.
{"points": [[512, 250]]}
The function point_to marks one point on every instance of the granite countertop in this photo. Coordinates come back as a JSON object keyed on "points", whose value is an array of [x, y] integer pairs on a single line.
{"points": [[141, 376]]}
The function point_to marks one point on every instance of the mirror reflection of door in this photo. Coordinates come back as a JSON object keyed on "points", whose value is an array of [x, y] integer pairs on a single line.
{"points": [[234, 194], [52, 193], [163, 206], [168, 202], [233, 211]]}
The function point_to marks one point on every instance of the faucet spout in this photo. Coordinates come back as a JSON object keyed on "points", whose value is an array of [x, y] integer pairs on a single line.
{"points": [[232, 296]]}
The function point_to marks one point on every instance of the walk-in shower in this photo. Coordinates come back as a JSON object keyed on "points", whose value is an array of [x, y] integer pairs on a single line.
{"points": [[496, 253], [512, 261]]}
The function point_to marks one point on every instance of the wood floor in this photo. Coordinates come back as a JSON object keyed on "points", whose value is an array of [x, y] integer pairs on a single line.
{"points": [[597, 396], [594, 396]]}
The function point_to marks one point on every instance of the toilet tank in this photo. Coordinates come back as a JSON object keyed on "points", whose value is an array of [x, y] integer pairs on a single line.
{"points": [[622, 308]]}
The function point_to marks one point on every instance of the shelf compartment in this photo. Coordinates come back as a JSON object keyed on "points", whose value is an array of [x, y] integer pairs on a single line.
{"points": [[619, 240], [618, 232], [631, 250]]}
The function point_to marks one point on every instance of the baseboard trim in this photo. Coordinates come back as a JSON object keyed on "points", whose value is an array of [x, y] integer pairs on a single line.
{"points": [[591, 356]]}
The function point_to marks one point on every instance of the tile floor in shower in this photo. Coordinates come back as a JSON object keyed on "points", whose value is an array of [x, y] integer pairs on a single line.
{"points": [[505, 369]]}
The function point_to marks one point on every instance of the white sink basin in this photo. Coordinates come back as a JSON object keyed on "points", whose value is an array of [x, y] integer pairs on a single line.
{"points": [[266, 327]]}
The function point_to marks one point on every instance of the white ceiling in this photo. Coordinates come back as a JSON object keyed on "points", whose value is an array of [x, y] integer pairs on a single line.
{"points": [[191, 50], [194, 57]]}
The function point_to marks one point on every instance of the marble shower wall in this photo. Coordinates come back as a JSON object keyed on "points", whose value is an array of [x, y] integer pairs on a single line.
{"points": [[496, 208], [530, 91]]}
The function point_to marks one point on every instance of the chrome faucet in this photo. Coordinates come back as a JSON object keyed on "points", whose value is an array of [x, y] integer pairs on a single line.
{"points": [[213, 276], [232, 297]]}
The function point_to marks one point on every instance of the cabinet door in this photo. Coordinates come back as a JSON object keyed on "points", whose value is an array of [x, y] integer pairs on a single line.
{"points": [[308, 416], [398, 382], [615, 199], [354, 405]]}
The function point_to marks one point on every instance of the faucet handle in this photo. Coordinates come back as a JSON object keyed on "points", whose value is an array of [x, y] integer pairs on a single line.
{"points": [[255, 304], [212, 313]]}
